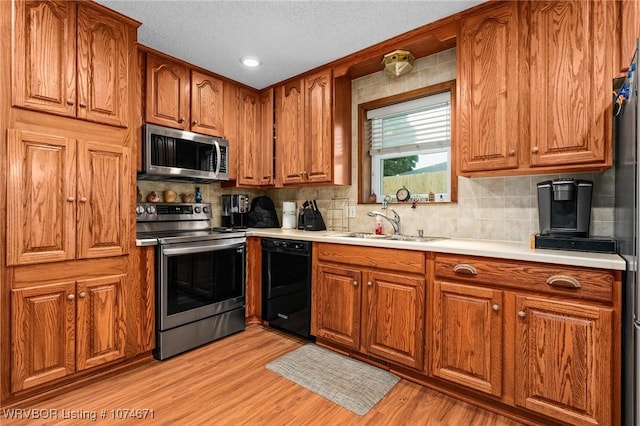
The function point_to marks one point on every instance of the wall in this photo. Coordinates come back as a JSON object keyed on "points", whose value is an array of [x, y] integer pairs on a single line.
{"points": [[488, 208]]}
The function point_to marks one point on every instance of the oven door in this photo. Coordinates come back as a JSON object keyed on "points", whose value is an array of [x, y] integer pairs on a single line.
{"points": [[199, 279]]}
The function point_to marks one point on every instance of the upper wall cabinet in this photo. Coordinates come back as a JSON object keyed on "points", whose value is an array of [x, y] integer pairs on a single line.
{"points": [[560, 64], [255, 138], [59, 70], [628, 31], [185, 99], [310, 131], [488, 88]]}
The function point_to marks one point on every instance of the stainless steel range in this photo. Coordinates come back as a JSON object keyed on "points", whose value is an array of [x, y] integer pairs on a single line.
{"points": [[200, 275]]}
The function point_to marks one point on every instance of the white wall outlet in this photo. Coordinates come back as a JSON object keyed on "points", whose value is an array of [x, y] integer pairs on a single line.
{"points": [[351, 211]]}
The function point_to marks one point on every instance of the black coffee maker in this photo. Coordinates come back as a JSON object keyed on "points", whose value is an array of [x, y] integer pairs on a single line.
{"points": [[564, 207], [235, 208]]}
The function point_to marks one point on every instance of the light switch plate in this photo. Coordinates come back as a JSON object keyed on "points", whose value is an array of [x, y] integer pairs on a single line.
{"points": [[351, 211]]}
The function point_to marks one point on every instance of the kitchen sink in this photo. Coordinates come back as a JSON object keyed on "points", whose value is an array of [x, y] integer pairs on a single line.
{"points": [[400, 237]]}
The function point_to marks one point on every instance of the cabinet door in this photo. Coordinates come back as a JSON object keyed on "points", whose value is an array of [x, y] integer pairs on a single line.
{"points": [[249, 168], [394, 316], [101, 323], [41, 191], [42, 334], [629, 31], [103, 199], [319, 127], [336, 305], [570, 51], [467, 336], [44, 55], [207, 99], [266, 142], [230, 116], [103, 67], [488, 86], [167, 93], [564, 360], [291, 132]]}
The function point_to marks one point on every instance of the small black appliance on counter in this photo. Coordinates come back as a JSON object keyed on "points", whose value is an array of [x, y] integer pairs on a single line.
{"points": [[235, 208], [564, 207], [564, 213]]}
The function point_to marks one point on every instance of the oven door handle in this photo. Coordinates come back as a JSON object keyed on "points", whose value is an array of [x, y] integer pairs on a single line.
{"points": [[200, 248]]}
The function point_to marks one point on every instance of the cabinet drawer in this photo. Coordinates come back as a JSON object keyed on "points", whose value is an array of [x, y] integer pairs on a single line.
{"points": [[561, 280], [380, 258]]}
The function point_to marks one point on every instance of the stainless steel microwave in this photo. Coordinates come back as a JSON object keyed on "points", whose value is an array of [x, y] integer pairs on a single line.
{"points": [[172, 154]]}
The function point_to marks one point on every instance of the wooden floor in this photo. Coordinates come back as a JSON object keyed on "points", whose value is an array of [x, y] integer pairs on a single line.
{"points": [[226, 383]]}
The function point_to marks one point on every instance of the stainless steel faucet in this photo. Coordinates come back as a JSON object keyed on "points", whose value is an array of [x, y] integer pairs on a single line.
{"points": [[395, 222]]}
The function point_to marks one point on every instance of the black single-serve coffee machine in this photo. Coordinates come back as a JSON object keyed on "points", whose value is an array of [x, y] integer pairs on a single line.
{"points": [[564, 214], [235, 208], [564, 207]]}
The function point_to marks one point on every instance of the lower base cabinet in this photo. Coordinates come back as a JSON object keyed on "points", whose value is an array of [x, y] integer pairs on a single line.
{"points": [[375, 310], [65, 327], [537, 337]]}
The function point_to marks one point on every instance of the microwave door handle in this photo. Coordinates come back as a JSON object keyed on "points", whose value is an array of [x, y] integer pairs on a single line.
{"points": [[218, 158]]}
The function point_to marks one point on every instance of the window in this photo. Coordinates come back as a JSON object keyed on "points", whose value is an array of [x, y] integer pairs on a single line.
{"points": [[408, 144]]}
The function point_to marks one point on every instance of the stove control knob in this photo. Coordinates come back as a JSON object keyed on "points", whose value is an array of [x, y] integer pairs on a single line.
{"points": [[197, 209], [139, 210], [151, 209], [205, 209]]}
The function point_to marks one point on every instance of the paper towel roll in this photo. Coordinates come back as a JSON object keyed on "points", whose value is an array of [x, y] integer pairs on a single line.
{"points": [[289, 215]]}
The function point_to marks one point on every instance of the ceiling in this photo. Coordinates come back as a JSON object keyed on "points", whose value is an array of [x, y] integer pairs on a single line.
{"points": [[290, 37]]}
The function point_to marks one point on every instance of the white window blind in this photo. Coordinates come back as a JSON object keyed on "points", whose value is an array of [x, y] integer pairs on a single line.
{"points": [[415, 125]]}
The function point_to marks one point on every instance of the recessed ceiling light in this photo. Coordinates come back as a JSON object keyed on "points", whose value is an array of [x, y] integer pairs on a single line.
{"points": [[250, 61]]}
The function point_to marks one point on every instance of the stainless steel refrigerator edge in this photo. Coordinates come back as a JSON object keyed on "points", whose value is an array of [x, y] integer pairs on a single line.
{"points": [[627, 219]]}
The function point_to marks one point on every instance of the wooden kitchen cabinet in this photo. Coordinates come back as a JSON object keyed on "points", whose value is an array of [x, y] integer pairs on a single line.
{"points": [[628, 32], [488, 84], [535, 97], [368, 303], [255, 138], [207, 104], [536, 336], [563, 357], [59, 70], [468, 336], [168, 93], [304, 131], [64, 327], [183, 98], [66, 198]]}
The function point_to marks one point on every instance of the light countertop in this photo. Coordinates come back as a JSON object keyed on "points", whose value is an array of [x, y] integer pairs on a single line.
{"points": [[488, 248]]}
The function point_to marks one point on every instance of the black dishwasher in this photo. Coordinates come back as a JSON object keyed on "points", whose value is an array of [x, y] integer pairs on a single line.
{"points": [[286, 285]]}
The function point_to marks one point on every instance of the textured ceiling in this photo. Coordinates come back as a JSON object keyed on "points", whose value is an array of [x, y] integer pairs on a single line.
{"points": [[290, 37]]}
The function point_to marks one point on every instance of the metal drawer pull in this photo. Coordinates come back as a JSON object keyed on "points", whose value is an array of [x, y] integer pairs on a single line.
{"points": [[563, 281], [496, 307], [522, 314], [465, 268], [369, 283], [355, 283]]}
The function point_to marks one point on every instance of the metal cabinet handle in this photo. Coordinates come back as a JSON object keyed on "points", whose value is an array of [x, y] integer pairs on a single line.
{"points": [[355, 283], [465, 268], [71, 199], [82, 104], [82, 295], [522, 314], [496, 307], [83, 199], [194, 123], [181, 120], [70, 102], [71, 297], [563, 281], [512, 153], [369, 283], [535, 149]]}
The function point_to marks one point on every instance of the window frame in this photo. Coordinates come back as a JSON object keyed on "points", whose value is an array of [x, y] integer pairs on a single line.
{"points": [[365, 160]]}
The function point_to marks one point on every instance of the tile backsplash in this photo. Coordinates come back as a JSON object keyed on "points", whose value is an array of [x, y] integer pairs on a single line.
{"points": [[502, 208]]}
